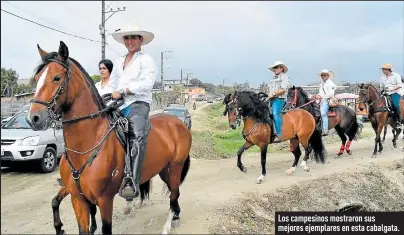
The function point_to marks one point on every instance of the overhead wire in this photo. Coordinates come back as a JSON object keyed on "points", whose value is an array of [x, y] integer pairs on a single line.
{"points": [[45, 26]]}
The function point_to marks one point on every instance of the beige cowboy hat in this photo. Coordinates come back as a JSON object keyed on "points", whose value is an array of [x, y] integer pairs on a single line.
{"points": [[387, 66], [330, 73], [278, 63], [133, 30]]}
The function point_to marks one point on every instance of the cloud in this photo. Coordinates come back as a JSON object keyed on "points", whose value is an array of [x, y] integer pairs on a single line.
{"points": [[235, 41]]}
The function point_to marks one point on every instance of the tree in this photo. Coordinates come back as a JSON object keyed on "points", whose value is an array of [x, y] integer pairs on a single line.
{"points": [[96, 78], [209, 87], [8, 81], [196, 82], [157, 85]]}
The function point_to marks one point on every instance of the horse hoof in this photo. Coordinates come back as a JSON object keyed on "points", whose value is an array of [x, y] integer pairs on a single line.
{"points": [[349, 152], [244, 170], [339, 154], [306, 168], [260, 179], [175, 223], [127, 210]]}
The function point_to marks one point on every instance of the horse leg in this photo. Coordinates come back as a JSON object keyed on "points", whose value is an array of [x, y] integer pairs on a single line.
{"points": [[82, 212], [295, 149], [93, 211], [105, 204], [173, 217], [396, 133], [264, 150], [57, 223], [243, 148], [385, 132], [342, 136]]}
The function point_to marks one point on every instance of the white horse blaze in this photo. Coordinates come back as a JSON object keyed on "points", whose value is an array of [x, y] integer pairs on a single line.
{"points": [[41, 80]]}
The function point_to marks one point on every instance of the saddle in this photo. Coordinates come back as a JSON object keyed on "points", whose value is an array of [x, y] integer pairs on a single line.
{"points": [[390, 109]]}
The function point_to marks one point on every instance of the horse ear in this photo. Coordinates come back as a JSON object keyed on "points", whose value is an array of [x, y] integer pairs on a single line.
{"points": [[361, 85], [293, 87], [63, 51], [42, 53]]}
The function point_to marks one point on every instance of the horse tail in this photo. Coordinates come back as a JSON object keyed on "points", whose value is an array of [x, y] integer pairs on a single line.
{"points": [[185, 168], [354, 131], [145, 190], [316, 143]]}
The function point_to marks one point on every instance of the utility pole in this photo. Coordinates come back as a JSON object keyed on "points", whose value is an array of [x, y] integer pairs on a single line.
{"points": [[162, 67], [102, 25]]}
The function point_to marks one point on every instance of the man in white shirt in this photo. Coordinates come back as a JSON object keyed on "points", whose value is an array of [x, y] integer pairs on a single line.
{"points": [[326, 92], [391, 84], [135, 75]]}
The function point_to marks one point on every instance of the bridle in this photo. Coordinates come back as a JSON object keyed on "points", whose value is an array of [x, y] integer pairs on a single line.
{"points": [[239, 110], [50, 105], [367, 99], [294, 102]]}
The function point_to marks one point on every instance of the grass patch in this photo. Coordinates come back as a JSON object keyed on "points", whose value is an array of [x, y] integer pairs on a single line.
{"points": [[218, 140]]}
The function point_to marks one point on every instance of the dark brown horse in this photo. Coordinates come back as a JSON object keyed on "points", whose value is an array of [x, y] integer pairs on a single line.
{"points": [[94, 165], [378, 113], [342, 118], [298, 126]]}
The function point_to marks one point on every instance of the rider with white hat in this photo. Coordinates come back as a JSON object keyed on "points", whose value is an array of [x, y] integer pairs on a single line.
{"points": [[278, 91], [390, 83], [135, 74], [326, 92]]}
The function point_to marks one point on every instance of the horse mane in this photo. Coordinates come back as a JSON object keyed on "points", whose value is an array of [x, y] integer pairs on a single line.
{"points": [[251, 105], [54, 56]]}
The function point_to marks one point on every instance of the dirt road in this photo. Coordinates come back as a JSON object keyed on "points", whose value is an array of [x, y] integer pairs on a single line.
{"points": [[210, 185]]}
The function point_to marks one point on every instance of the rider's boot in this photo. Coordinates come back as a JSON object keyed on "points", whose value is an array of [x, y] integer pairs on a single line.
{"points": [[131, 190]]}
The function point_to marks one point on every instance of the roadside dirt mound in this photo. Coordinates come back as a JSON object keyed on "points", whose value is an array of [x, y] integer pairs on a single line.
{"points": [[378, 188]]}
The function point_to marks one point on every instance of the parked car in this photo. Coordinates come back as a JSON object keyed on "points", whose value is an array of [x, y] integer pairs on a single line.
{"points": [[181, 113], [174, 105], [24, 108], [19, 143], [210, 101]]}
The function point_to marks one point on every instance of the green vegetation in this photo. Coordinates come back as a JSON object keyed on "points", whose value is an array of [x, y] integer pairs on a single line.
{"points": [[218, 140]]}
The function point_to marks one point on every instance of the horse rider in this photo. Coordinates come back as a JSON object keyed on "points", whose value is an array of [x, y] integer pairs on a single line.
{"points": [[326, 93], [278, 88], [135, 74], [391, 84], [105, 85]]}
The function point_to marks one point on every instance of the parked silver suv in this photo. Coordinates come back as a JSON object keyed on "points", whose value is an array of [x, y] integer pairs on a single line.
{"points": [[19, 143]]}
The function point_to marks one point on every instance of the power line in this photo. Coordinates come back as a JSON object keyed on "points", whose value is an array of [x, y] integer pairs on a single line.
{"points": [[50, 27], [37, 16]]}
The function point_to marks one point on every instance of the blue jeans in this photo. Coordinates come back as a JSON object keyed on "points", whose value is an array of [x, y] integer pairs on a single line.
{"points": [[395, 99], [277, 105], [125, 111], [324, 107]]}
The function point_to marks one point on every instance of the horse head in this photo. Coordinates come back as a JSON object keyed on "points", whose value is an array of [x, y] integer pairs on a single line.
{"points": [[368, 94], [296, 97], [231, 109], [58, 85]]}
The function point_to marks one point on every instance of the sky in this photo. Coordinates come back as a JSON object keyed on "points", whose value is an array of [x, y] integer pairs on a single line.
{"points": [[216, 41]]}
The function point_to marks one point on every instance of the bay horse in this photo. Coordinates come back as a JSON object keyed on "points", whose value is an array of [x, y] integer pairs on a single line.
{"points": [[342, 118], [93, 175], [379, 115], [298, 126]]}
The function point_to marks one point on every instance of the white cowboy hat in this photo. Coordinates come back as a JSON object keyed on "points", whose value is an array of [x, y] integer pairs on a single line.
{"points": [[133, 30], [330, 73], [280, 63]]}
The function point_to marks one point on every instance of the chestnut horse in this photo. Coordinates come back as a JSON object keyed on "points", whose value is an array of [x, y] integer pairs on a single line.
{"points": [[298, 126], [378, 113], [343, 119], [93, 175]]}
